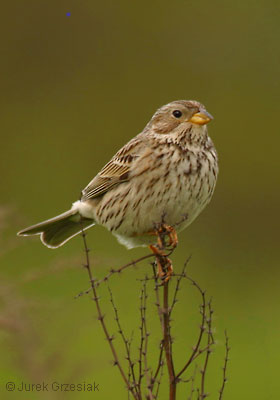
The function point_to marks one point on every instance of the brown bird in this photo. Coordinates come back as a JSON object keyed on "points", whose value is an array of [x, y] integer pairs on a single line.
{"points": [[167, 173]]}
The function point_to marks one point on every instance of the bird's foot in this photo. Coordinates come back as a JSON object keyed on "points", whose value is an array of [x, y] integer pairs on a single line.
{"points": [[164, 264], [168, 230], [165, 230]]}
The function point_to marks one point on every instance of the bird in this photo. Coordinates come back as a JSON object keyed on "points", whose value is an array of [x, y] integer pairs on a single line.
{"points": [[163, 177]]}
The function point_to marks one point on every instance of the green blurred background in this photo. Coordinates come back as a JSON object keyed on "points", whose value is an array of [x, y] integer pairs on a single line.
{"points": [[73, 90]]}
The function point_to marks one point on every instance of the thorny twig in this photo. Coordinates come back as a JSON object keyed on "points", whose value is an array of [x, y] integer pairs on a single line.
{"points": [[225, 367], [101, 319], [196, 350], [126, 344], [143, 348], [167, 343], [115, 271], [159, 381], [146, 336], [192, 383], [134, 377], [177, 287], [159, 366], [210, 342], [129, 373], [157, 303]]}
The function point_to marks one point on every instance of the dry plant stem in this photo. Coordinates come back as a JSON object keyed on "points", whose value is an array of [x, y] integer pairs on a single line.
{"points": [[157, 295], [140, 359], [134, 377], [177, 288], [129, 369], [101, 319], [159, 366], [159, 310], [119, 270], [192, 383], [143, 348], [167, 343], [174, 301], [115, 271], [131, 372], [146, 336], [196, 350], [225, 367], [159, 381], [165, 319], [208, 352]]}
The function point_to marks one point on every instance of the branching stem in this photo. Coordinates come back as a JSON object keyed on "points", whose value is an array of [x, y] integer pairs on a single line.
{"points": [[167, 343], [133, 379], [101, 319]]}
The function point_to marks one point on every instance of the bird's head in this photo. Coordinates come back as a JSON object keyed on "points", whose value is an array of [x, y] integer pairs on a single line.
{"points": [[178, 116]]}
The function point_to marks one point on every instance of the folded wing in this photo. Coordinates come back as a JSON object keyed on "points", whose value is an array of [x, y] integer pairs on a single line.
{"points": [[115, 172]]}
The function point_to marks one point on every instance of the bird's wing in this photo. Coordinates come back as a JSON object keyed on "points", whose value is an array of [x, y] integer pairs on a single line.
{"points": [[116, 171]]}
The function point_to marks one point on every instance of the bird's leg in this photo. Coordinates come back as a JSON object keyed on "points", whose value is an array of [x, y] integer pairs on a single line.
{"points": [[165, 269], [159, 257], [171, 233]]}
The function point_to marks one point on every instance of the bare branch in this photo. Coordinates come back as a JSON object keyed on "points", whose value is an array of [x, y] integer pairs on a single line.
{"points": [[192, 383], [126, 345], [119, 270], [167, 343], [114, 271], [196, 351], [134, 377], [177, 288], [129, 373], [101, 319], [159, 381], [159, 365], [142, 339], [146, 336], [221, 391], [210, 342], [159, 308]]}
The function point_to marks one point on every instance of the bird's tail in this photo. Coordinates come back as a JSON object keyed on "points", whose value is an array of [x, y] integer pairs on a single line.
{"points": [[58, 230]]}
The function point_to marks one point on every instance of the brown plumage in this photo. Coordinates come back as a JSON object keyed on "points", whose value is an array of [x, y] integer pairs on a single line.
{"points": [[167, 172]]}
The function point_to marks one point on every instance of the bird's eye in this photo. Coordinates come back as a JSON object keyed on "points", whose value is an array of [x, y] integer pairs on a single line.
{"points": [[177, 113]]}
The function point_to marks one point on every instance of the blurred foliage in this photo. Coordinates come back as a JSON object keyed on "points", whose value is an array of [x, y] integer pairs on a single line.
{"points": [[73, 90]]}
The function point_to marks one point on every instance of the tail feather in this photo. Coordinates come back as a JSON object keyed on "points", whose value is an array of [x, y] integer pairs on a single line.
{"points": [[58, 230]]}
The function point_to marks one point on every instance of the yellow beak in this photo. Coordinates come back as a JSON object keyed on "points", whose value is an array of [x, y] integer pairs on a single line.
{"points": [[201, 118]]}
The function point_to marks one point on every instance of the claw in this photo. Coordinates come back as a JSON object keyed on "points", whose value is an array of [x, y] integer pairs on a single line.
{"points": [[172, 235], [165, 230]]}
